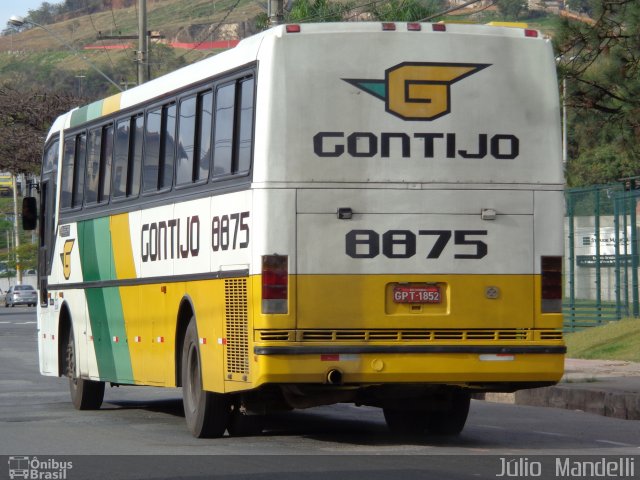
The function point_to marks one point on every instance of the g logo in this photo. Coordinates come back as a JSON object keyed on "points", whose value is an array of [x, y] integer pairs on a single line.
{"points": [[418, 91], [65, 256]]}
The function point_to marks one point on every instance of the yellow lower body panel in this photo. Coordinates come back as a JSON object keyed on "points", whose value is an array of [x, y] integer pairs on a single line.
{"points": [[441, 368]]}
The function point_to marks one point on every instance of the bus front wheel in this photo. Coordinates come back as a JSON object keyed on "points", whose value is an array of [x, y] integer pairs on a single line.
{"points": [[85, 394], [207, 413]]}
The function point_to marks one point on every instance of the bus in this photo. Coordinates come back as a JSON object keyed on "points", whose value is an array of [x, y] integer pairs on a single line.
{"points": [[368, 213]]}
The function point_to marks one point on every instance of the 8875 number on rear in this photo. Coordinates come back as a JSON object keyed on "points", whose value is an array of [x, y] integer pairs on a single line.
{"points": [[468, 244]]}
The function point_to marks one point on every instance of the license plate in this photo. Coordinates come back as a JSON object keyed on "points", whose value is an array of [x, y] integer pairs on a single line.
{"points": [[417, 294]]}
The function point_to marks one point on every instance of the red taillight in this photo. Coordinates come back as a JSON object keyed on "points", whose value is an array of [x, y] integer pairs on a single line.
{"points": [[414, 27], [275, 283], [388, 27], [530, 33], [293, 28], [439, 27], [551, 272]]}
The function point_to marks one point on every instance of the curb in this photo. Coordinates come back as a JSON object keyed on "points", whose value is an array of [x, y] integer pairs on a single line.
{"points": [[594, 398]]}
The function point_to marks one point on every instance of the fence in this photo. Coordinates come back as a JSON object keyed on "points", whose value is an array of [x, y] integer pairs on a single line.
{"points": [[602, 259]]}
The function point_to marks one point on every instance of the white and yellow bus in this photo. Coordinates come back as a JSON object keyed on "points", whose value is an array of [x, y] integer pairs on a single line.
{"points": [[362, 212]]}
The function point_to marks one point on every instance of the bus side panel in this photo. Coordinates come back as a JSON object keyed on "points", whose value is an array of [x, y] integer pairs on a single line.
{"points": [[104, 304], [549, 209]]}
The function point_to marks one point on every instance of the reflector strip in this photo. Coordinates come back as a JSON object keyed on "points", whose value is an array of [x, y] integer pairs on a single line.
{"points": [[499, 357], [339, 357], [388, 27], [203, 341], [531, 33], [439, 27], [116, 340], [160, 339], [222, 341], [293, 28], [414, 27], [137, 339]]}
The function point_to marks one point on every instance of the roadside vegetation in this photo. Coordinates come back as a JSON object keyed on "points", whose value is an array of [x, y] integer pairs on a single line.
{"points": [[614, 341]]}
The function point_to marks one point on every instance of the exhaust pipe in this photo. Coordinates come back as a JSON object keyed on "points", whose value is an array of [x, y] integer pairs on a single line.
{"points": [[334, 377]]}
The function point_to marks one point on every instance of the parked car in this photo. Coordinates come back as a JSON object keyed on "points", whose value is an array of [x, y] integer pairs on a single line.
{"points": [[21, 295]]}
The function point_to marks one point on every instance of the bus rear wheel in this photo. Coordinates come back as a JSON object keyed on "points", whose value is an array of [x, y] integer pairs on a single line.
{"points": [[85, 394], [449, 420], [207, 413], [452, 420]]}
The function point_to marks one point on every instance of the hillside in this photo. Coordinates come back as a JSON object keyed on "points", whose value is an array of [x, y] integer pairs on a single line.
{"points": [[34, 57]]}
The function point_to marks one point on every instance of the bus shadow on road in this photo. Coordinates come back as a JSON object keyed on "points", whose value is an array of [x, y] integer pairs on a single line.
{"points": [[354, 432], [171, 407]]}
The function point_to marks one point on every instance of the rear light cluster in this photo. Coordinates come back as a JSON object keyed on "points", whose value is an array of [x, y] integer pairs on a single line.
{"points": [[413, 27], [551, 270], [275, 283]]}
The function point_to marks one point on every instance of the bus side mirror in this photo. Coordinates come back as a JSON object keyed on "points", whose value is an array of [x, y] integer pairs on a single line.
{"points": [[29, 213]]}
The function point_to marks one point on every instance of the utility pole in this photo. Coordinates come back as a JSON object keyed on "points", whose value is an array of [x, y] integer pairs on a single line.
{"points": [[143, 43], [276, 12], [16, 231]]}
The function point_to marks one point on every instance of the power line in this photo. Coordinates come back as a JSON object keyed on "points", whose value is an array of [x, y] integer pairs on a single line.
{"points": [[220, 23], [98, 35]]}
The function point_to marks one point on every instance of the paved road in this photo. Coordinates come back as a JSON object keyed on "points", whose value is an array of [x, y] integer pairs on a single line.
{"points": [[37, 418]]}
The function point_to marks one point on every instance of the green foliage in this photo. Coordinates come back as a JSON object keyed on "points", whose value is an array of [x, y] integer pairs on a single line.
{"points": [[614, 341], [317, 11], [406, 10], [27, 253], [601, 65], [512, 9]]}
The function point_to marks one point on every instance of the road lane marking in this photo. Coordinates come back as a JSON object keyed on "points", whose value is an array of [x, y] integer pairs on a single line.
{"points": [[619, 444], [25, 323], [5, 322], [552, 434]]}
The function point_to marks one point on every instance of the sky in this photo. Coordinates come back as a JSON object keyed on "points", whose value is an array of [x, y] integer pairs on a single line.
{"points": [[17, 7]]}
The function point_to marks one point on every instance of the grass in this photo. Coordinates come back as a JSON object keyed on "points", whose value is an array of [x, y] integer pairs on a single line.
{"points": [[614, 341]]}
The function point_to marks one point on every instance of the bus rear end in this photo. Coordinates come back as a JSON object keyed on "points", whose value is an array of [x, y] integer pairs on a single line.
{"points": [[409, 184]]}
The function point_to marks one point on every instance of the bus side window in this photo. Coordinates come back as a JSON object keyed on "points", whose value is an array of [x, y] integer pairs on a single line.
{"points": [[121, 157], [223, 137], [135, 161], [78, 171], [245, 127], [168, 147], [93, 165], [153, 127], [106, 158], [186, 141], [68, 166], [205, 116]]}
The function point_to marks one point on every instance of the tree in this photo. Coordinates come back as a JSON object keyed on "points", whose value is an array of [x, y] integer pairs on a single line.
{"points": [[27, 253], [406, 10], [600, 61], [512, 9], [317, 11], [25, 117]]}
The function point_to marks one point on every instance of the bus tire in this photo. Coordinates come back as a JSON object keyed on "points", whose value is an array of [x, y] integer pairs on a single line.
{"points": [[85, 394], [406, 422], [207, 413], [451, 421]]}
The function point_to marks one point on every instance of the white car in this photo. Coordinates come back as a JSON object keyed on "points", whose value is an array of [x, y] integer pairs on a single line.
{"points": [[21, 295]]}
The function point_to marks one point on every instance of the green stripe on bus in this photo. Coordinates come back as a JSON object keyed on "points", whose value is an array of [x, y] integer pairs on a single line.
{"points": [[95, 110], [104, 304], [79, 116]]}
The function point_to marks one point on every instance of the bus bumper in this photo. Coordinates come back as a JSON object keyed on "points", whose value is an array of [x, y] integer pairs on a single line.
{"points": [[488, 369]]}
